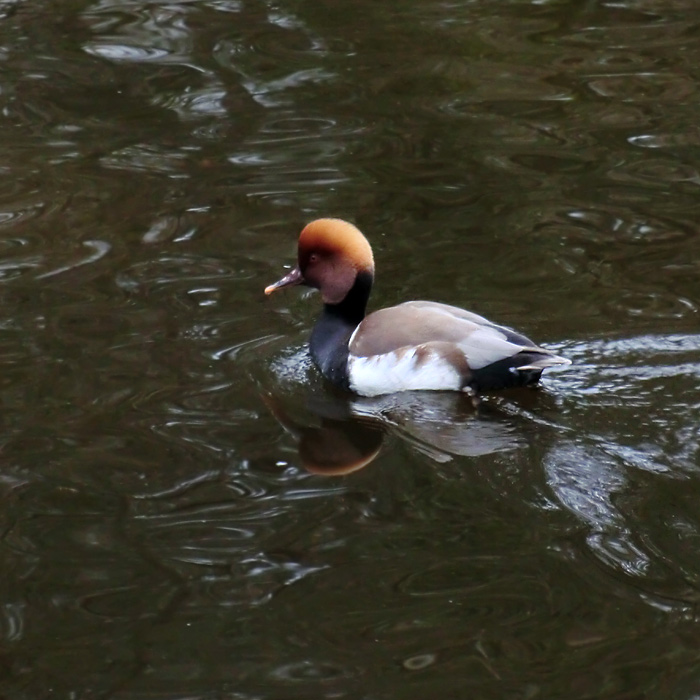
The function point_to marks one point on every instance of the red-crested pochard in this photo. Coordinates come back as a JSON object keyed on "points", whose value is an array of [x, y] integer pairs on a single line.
{"points": [[415, 345]]}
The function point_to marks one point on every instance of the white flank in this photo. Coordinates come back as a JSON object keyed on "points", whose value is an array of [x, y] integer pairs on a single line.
{"points": [[385, 374]]}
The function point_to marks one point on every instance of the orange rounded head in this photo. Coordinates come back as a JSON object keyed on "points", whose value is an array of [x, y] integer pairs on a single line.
{"points": [[331, 254]]}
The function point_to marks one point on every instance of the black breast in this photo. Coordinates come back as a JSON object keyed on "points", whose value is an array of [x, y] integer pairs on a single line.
{"points": [[331, 334], [329, 346]]}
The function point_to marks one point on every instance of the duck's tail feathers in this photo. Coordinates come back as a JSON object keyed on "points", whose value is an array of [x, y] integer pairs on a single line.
{"points": [[543, 361]]}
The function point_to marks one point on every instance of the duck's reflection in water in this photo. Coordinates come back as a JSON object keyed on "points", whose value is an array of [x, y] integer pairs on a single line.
{"points": [[338, 434]]}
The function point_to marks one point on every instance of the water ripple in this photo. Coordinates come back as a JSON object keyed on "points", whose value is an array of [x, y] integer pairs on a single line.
{"points": [[531, 160], [117, 52], [147, 33], [100, 248], [172, 270], [148, 158]]}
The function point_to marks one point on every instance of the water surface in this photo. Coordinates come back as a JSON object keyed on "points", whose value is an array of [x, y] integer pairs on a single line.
{"points": [[188, 510]]}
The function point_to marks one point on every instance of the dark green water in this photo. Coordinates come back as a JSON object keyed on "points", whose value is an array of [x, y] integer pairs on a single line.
{"points": [[179, 519]]}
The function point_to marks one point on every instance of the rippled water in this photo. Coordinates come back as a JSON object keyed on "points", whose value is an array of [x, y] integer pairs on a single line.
{"points": [[188, 511]]}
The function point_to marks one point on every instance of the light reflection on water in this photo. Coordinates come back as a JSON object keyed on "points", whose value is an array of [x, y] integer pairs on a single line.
{"points": [[169, 525]]}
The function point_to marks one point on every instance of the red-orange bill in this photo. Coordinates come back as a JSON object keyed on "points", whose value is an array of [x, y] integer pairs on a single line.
{"points": [[289, 280]]}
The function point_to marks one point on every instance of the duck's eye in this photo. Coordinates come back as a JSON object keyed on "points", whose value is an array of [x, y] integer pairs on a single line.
{"points": [[313, 257]]}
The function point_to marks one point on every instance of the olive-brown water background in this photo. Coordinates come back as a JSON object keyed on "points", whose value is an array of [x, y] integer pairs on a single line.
{"points": [[165, 530]]}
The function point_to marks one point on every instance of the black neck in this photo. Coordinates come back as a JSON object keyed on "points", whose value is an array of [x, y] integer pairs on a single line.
{"points": [[331, 334], [353, 308]]}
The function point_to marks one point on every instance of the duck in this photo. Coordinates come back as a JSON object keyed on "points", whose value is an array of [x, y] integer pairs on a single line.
{"points": [[413, 346]]}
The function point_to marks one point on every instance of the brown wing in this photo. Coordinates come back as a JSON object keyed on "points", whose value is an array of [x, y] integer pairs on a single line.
{"points": [[419, 322], [425, 324]]}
